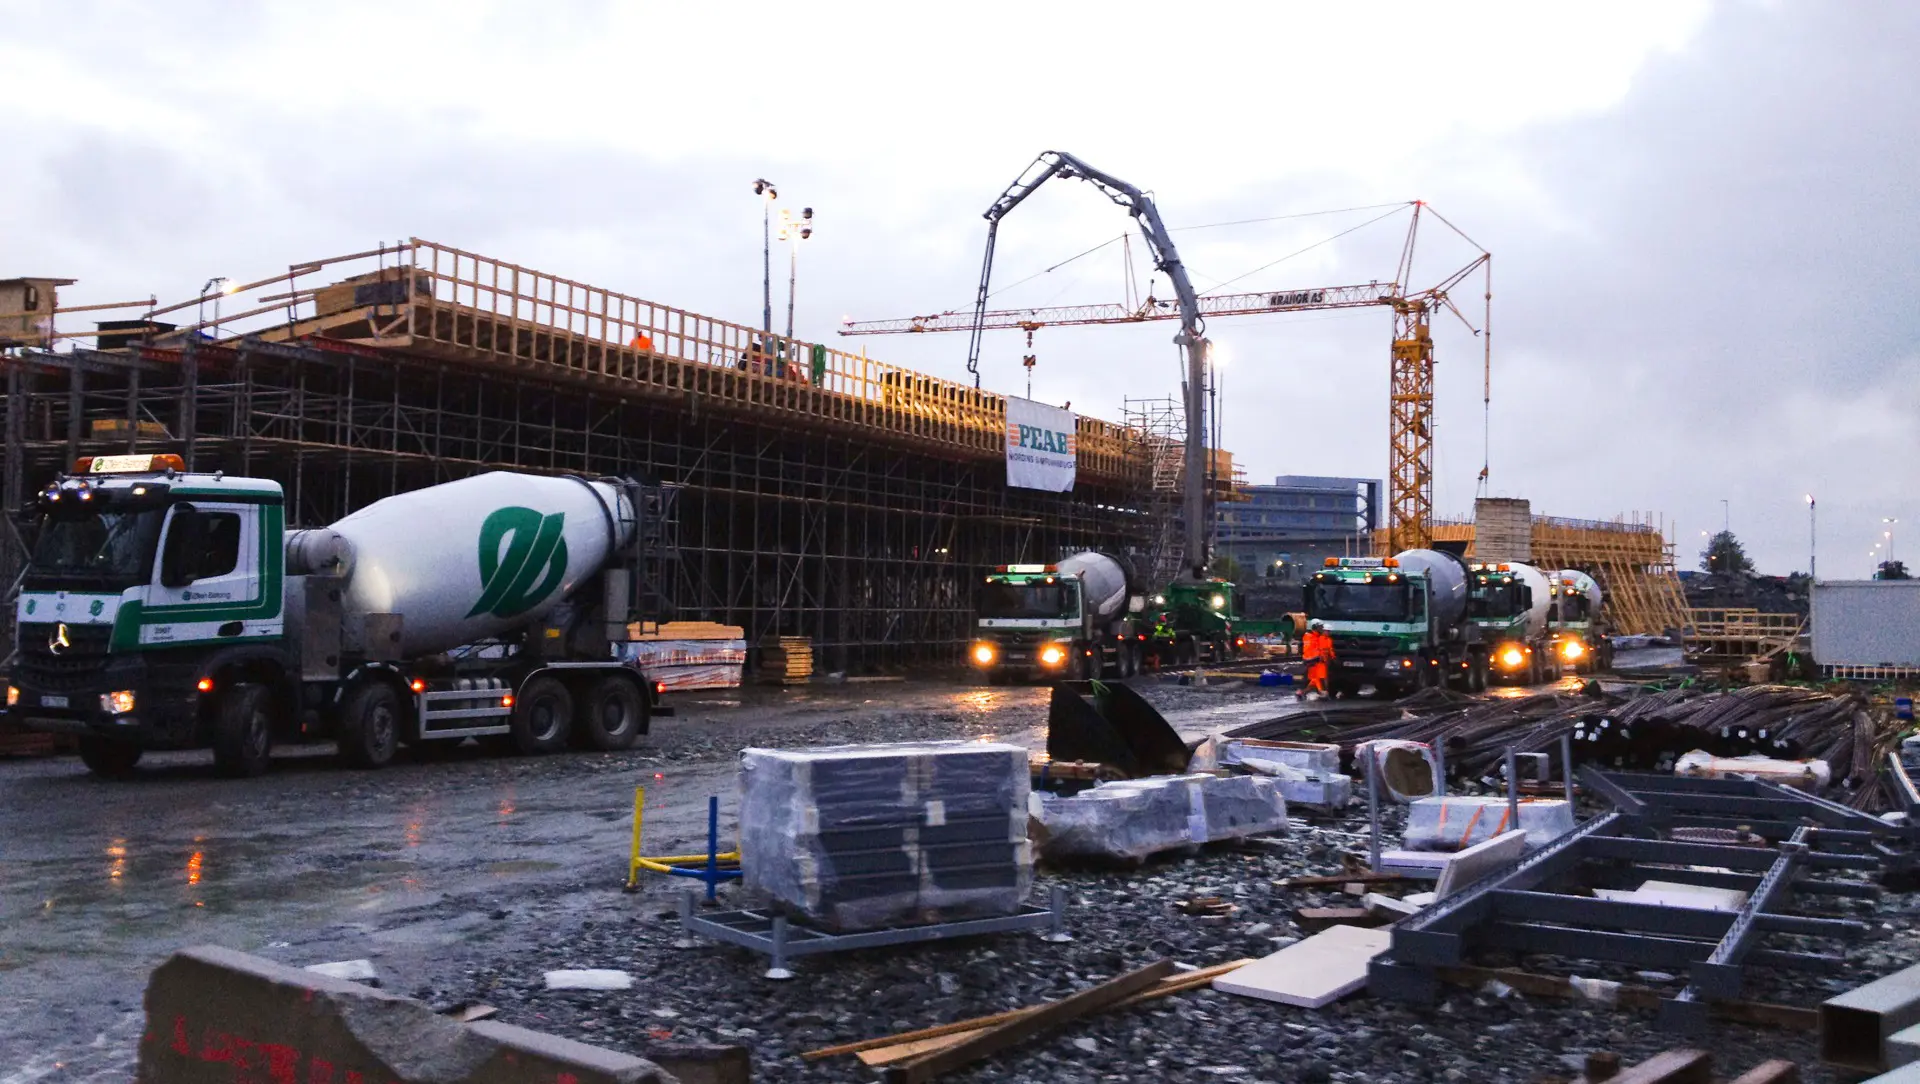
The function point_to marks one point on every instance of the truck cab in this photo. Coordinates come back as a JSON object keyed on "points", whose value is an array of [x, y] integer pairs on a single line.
{"points": [[142, 581], [1387, 630], [1199, 622], [1507, 603], [1069, 620], [1580, 637]]}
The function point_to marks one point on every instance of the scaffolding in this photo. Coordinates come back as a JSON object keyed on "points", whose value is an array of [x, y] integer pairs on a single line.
{"points": [[794, 490], [1629, 556], [1159, 429]]}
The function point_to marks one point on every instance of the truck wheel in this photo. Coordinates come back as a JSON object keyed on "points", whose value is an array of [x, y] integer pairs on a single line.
{"points": [[370, 725], [611, 715], [243, 734], [542, 716], [109, 759]]}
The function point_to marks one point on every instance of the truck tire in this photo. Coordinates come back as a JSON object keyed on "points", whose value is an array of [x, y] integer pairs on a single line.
{"points": [[109, 759], [612, 714], [542, 716], [243, 732], [370, 725]]}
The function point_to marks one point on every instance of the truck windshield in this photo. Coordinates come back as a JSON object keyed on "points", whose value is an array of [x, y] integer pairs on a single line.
{"points": [[1493, 600], [1006, 600], [108, 549], [1357, 601]]}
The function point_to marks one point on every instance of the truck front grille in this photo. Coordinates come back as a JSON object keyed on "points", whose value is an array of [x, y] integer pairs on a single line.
{"points": [[69, 669]]}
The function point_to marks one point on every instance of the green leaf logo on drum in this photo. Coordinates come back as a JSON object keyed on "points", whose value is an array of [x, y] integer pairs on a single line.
{"points": [[523, 558]]}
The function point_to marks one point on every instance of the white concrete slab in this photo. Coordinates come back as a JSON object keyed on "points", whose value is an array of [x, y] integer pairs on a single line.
{"points": [[1316, 972], [1465, 867]]}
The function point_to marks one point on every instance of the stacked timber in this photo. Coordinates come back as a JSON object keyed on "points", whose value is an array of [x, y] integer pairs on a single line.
{"points": [[683, 655], [684, 630], [786, 660]]}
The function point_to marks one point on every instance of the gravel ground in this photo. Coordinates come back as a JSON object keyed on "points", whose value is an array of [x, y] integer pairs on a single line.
{"points": [[466, 879], [1120, 919]]}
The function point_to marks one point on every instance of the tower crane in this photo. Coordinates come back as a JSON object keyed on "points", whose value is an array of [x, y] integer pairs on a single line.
{"points": [[1410, 383], [1196, 501]]}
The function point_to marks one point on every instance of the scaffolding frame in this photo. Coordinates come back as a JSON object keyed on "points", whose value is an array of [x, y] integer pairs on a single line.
{"points": [[852, 502]]}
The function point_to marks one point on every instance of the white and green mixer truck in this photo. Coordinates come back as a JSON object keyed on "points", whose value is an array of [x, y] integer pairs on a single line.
{"points": [[162, 609]]}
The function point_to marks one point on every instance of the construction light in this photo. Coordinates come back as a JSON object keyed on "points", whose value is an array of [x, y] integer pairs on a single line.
{"points": [[983, 654], [1052, 655]]}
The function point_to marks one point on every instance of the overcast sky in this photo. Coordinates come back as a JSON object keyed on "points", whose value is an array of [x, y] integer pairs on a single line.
{"points": [[1700, 215]]}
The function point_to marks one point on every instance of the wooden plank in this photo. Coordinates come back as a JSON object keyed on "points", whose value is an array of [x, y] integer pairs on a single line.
{"points": [[1777, 1071], [1682, 1066], [1335, 880], [1012, 1032], [880, 1056], [1172, 984]]}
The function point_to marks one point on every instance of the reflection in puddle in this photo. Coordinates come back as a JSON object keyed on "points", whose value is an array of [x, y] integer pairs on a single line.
{"points": [[118, 867]]}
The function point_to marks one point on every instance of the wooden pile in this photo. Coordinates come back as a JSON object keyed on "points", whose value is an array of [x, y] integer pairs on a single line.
{"points": [[786, 660], [684, 630], [929, 1052]]}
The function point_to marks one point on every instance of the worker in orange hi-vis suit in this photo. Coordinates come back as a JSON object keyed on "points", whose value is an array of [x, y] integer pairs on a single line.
{"points": [[1317, 648]]}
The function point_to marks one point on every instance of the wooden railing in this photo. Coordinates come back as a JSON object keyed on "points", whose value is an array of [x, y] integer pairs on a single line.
{"points": [[425, 294]]}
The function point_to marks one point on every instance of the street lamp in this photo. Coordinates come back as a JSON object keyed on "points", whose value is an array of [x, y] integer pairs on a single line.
{"points": [[1813, 540], [794, 230], [1889, 521], [764, 189], [225, 286]]}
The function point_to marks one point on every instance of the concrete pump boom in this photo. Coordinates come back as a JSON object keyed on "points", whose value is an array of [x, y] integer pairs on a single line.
{"points": [[1192, 337]]}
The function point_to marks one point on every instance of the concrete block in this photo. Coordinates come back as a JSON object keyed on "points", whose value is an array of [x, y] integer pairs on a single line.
{"points": [[350, 970], [1457, 822], [1856, 1025], [217, 1015], [591, 978]]}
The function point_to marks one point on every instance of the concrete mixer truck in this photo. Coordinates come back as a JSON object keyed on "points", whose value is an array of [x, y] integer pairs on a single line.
{"points": [[1398, 623], [1075, 618], [168, 610], [1580, 633], [1510, 602]]}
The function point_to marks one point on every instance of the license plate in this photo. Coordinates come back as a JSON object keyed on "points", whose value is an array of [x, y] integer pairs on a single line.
{"points": [[53, 701], [1354, 663]]}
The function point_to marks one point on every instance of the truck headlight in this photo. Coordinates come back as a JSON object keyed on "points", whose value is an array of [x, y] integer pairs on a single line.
{"points": [[1511, 658], [1053, 655], [1572, 649], [118, 702], [983, 654], [13, 696]]}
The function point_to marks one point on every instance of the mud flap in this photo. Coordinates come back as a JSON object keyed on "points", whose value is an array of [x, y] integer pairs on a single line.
{"points": [[1108, 723]]}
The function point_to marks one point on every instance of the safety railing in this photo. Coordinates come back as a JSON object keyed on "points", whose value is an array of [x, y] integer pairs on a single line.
{"points": [[424, 295]]}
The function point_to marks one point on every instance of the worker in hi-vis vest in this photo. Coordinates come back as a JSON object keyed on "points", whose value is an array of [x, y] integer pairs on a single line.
{"points": [[1317, 648]]}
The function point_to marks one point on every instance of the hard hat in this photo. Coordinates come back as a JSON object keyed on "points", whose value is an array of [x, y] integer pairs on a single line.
{"points": [[1317, 625]]}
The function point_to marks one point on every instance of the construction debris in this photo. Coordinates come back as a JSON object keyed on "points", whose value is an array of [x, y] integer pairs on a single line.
{"points": [[1135, 818], [590, 978], [350, 970]]}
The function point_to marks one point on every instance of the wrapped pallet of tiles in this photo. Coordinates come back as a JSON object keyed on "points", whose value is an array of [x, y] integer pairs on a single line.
{"points": [[858, 837], [683, 655], [1134, 818]]}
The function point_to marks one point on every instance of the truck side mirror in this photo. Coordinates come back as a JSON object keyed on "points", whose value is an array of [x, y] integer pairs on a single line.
{"points": [[186, 545]]}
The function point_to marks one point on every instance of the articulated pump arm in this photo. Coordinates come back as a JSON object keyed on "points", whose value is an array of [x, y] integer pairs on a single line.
{"points": [[1192, 337]]}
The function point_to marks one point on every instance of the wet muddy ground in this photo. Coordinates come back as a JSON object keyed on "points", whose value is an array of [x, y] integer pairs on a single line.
{"points": [[434, 870]]}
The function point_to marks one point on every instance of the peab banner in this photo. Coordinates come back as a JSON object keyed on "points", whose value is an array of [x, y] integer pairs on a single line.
{"points": [[1040, 446]]}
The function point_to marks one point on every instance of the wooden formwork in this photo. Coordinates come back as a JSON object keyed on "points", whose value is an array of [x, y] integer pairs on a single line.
{"points": [[1630, 556], [1731, 635], [443, 302]]}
